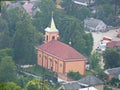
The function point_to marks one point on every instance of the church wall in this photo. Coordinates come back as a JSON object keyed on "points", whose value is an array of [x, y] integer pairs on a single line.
{"points": [[50, 62], [49, 36], [76, 66]]}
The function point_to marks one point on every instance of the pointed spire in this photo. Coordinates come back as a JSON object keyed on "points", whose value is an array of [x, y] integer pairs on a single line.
{"points": [[52, 26]]}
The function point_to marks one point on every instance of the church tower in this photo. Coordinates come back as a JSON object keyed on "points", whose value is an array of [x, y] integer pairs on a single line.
{"points": [[51, 32]]}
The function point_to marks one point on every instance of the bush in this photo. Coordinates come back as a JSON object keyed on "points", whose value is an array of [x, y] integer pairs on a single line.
{"points": [[74, 75]]}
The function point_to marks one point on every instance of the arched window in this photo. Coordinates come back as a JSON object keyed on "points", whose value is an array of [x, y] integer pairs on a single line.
{"points": [[53, 37]]}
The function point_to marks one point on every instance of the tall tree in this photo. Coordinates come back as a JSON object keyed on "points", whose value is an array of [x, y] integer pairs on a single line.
{"points": [[5, 40], [7, 69], [42, 19], [12, 86], [25, 40], [94, 60], [6, 52], [13, 16], [35, 84], [112, 58]]}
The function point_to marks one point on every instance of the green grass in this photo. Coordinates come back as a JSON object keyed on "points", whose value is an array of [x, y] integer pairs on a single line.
{"points": [[88, 73]]}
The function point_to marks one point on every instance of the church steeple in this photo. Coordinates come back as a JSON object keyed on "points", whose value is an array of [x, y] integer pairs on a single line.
{"points": [[52, 26], [51, 32]]}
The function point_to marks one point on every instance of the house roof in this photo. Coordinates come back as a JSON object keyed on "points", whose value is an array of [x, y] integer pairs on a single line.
{"points": [[28, 7], [117, 75], [92, 22], [60, 50], [72, 86], [90, 80], [112, 70], [113, 44]]}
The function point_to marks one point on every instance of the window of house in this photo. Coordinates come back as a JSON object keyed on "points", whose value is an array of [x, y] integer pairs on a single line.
{"points": [[47, 38], [60, 65], [39, 55]]}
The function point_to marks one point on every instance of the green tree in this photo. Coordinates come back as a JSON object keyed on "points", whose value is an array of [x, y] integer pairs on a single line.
{"points": [[35, 84], [68, 6], [94, 61], [5, 39], [112, 58], [83, 13], [42, 19], [25, 40], [12, 86], [13, 16], [2, 86], [6, 52], [7, 69], [74, 75], [71, 29]]}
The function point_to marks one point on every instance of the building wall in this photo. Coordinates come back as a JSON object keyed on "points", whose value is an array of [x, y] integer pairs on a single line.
{"points": [[99, 87], [77, 66], [50, 62], [49, 36], [59, 66]]}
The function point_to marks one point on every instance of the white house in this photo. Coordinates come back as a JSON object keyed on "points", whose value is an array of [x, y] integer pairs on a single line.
{"points": [[93, 24]]}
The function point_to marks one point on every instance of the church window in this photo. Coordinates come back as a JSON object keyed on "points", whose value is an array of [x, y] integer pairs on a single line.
{"points": [[47, 38], [53, 37], [60, 65]]}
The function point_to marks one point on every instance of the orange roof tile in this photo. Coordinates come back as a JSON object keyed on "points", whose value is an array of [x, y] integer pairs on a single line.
{"points": [[113, 44]]}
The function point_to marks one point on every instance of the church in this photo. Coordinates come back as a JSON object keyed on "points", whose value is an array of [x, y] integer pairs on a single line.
{"points": [[58, 56]]}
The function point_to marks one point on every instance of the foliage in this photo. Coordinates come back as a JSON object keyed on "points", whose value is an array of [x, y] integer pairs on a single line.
{"points": [[74, 75], [114, 82], [2, 86], [5, 40], [6, 52], [35, 84], [107, 11], [70, 30], [94, 61], [72, 9], [15, 15], [8, 69], [25, 40], [107, 88], [12, 86], [111, 55], [101, 75]]}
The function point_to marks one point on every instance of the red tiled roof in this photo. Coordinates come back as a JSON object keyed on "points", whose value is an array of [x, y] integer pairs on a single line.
{"points": [[28, 7], [113, 44], [61, 51]]}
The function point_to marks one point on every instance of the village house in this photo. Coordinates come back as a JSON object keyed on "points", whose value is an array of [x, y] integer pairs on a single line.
{"points": [[31, 7], [94, 25], [112, 72], [113, 44], [91, 80], [86, 83], [103, 43], [58, 56], [118, 33]]}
